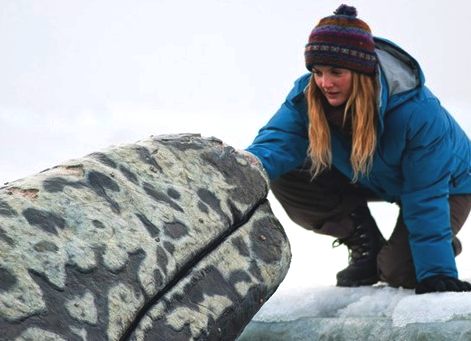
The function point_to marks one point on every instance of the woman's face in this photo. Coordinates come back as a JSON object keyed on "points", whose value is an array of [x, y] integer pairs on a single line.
{"points": [[335, 83]]}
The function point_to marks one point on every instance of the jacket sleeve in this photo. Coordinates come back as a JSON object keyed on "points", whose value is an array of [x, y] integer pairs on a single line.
{"points": [[281, 145], [424, 198]]}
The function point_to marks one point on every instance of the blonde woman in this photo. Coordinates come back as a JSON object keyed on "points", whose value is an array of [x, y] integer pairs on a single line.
{"points": [[362, 126]]}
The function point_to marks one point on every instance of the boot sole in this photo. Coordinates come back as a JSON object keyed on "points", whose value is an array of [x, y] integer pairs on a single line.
{"points": [[358, 283]]}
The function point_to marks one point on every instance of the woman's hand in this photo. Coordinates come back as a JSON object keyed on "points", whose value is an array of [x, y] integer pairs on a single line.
{"points": [[254, 161], [441, 283], [251, 158]]}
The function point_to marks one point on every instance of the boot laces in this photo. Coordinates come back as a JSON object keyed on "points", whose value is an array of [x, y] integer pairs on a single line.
{"points": [[357, 244]]}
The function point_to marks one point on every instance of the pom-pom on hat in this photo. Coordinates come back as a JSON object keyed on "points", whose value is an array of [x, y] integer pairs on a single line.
{"points": [[342, 40]]}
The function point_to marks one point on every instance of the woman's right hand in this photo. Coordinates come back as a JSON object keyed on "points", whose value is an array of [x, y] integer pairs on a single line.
{"points": [[254, 161]]}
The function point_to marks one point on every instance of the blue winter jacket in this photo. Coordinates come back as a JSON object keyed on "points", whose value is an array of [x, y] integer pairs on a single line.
{"points": [[422, 155]]}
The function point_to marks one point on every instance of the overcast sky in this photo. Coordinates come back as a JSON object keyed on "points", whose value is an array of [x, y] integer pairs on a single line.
{"points": [[78, 76]]}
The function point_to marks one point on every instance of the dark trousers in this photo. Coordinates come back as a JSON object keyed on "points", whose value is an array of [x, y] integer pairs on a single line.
{"points": [[324, 204]]}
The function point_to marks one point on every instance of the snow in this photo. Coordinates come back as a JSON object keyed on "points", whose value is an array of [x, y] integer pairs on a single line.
{"points": [[446, 307]]}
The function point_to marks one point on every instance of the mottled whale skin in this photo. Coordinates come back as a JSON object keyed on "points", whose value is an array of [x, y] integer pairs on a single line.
{"points": [[170, 238]]}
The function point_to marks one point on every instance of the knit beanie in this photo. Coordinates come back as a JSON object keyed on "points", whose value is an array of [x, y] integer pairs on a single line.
{"points": [[342, 40]]}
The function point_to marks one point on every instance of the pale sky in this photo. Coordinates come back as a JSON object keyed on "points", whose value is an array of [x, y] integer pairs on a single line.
{"points": [[78, 76]]}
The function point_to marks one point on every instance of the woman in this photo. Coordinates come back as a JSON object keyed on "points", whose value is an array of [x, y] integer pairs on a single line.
{"points": [[362, 126]]}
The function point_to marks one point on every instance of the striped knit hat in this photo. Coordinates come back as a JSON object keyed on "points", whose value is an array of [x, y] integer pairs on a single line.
{"points": [[342, 40]]}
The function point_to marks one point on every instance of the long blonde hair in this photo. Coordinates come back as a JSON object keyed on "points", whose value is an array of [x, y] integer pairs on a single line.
{"points": [[361, 105]]}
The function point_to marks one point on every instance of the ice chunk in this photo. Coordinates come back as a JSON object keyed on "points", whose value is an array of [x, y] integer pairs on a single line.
{"points": [[365, 313]]}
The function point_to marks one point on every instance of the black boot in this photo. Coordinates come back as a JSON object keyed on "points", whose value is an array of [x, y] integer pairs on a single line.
{"points": [[363, 245]]}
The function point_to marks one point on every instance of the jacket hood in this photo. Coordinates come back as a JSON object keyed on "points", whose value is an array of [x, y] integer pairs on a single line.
{"points": [[399, 76]]}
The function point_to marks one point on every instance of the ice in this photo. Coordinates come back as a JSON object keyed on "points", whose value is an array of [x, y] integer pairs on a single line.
{"points": [[365, 313]]}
